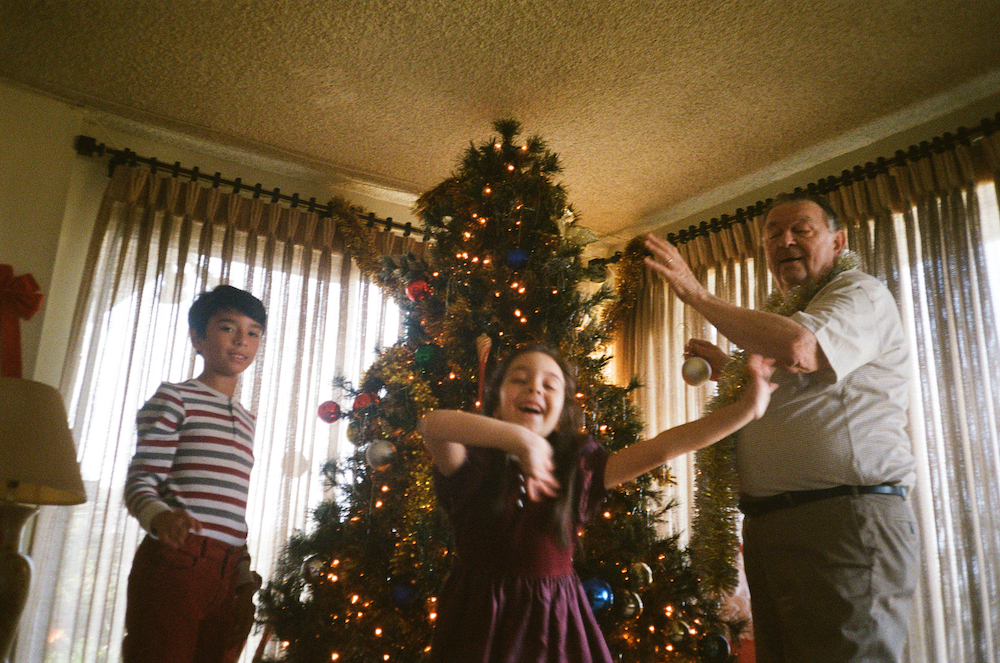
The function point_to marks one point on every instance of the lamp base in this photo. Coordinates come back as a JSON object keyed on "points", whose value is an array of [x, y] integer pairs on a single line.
{"points": [[15, 571]]}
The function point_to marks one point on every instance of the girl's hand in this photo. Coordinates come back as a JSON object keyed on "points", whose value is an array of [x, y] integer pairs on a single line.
{"points": [[710, 352], [535, 460], [758, 390]]}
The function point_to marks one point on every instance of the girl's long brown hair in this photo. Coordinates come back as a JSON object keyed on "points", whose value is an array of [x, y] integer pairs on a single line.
{"points": [[565, 441]]}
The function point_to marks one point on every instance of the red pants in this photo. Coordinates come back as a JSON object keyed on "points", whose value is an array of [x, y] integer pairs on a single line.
{"points": [[181, 606]]}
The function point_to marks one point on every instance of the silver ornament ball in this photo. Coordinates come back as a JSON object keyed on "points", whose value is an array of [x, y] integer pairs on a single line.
{"points": [[696, 371], [380, 454]]}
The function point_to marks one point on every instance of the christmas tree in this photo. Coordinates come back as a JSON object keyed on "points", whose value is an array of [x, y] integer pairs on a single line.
{"points": [[505, 267]]}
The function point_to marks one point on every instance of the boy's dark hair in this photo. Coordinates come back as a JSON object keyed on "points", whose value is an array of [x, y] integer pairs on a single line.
{"points": [[224, 297], [832, 221]]}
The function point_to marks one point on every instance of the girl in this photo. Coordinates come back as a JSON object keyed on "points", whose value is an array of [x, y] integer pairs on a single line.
{"points": [[517, 484]]}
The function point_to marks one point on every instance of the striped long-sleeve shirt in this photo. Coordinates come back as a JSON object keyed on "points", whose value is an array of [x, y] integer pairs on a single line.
{"points": [[194, 450]]}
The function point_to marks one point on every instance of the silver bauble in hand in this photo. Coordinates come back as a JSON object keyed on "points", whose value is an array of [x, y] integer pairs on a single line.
{"points": [[696, 371]]}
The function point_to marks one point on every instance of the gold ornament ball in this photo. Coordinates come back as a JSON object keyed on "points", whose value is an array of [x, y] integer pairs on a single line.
{"points": [[640, 576], [631, 604]]}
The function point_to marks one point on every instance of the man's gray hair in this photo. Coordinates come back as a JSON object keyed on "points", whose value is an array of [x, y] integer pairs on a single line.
{"points": [[832, 221]]}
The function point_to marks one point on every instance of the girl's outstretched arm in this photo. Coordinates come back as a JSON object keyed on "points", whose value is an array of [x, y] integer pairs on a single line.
{"points": [[446, 433], [641, 457]]}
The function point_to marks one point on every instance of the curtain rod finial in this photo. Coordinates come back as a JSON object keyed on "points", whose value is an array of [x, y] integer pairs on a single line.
{"points": [[87, 146]]}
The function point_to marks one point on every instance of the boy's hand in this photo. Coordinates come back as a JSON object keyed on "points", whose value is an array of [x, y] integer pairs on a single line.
{"points": [[172, 527], [759, 388], [244, 610]]}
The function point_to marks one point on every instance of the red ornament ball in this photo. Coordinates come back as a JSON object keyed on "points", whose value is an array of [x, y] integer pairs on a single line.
{"points": [[418, 290], [364, 400], [329, 411]]}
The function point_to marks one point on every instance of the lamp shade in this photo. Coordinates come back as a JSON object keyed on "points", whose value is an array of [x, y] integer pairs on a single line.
{"points": [[37, 455]]}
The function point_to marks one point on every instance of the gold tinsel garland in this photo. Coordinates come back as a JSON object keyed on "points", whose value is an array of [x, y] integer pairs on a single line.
{"points": [[714, 542], [359, 240], [395, 369], [630, 274]]}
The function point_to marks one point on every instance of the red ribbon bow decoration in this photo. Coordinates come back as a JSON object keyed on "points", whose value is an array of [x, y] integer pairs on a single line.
{"points": [[19, 298]]}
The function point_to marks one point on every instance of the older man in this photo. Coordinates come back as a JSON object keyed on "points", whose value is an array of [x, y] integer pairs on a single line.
{"points": [[829, 539]]}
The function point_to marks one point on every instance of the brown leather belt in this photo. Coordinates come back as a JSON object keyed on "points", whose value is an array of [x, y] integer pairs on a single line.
{"points": [[758, 506]]}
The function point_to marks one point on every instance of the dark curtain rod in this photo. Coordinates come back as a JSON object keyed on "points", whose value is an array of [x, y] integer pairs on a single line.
{"points": [[89, 147], [948, 141]]}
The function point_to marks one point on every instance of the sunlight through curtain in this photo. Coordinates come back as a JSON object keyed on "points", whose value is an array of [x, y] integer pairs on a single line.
{"points": [[930, 229], [158, 242]]}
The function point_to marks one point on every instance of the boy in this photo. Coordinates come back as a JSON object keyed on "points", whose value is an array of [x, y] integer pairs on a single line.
{"points": [[190, 592]]}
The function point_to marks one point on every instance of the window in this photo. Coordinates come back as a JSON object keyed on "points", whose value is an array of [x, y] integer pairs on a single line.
{"points": [[325, 321]]}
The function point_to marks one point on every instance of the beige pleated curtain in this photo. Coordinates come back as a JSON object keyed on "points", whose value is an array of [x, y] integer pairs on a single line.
{"points": [[930, 229], [158, 241]]}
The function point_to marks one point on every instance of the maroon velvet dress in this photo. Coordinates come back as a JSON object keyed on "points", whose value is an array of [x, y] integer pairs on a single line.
{"points": [[512, 595]]}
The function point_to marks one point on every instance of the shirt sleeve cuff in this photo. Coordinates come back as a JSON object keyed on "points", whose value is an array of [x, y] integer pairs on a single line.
{"points": [[149, 512]]}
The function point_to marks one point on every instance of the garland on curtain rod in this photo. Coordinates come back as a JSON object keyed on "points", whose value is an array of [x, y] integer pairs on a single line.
{"points": [[88, 147], [948, 141]]}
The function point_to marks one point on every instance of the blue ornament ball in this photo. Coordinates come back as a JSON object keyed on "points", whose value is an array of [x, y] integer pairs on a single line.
{"points": [[516, 258], [404, 594], [715, 648], [599, 594]]}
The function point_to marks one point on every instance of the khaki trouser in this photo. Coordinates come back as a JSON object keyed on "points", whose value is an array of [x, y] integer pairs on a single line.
{"points": [[832, 581]]}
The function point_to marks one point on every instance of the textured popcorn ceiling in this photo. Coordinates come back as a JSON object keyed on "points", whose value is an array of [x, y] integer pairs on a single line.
{"points": [[649, 104]]}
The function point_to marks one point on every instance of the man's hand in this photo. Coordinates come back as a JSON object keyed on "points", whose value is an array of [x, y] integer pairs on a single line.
{"points": [[710, 352], [758, 390], [668, 263]]}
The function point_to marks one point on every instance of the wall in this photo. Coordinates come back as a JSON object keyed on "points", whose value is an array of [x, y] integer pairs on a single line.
{"points": [[35, 137], [966, 105]]}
